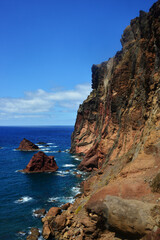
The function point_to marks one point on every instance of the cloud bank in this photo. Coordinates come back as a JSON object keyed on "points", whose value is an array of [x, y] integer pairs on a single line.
{"points": [[40, 103]]}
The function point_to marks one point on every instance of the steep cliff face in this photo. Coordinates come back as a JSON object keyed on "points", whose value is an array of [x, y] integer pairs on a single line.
{"points": [[117, 132], [111, 122]]}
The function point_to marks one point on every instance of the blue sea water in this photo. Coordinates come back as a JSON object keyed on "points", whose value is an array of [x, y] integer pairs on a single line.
{"points": [[21, 194]]}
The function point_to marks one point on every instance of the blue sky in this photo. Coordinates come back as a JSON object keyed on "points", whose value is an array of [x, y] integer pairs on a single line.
{"points": [[47, 48]]}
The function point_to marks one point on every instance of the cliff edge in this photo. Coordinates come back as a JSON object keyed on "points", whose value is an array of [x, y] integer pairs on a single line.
{"points": [[124, 102]]}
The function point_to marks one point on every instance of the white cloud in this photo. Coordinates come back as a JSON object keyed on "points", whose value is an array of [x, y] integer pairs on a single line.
{"points": [[40, 102]]}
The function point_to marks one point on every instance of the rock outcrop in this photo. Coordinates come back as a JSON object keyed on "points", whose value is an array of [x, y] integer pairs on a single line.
{"points": [[39, 212], [34, 234], [125, 97], [26, 145], [40, 162], [117, 132]]}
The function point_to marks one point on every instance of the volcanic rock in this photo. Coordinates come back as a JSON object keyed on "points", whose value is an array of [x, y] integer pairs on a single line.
{"points": [[65, 206], [129, 216], [46, 232], [34, 234], [41, 143], [40, 162], [40, 212], [27, 145], [54, 211]]}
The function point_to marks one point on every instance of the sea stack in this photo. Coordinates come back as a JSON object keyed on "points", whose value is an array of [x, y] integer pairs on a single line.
{"points": [[40, 162], [26, 145]]}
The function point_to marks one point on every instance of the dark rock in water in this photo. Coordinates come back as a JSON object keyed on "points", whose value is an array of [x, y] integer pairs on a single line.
{"points": [[78, 175], [40, 212], [21, 233], [27, 145], [34, 234], [41, 143], [40, 162]]}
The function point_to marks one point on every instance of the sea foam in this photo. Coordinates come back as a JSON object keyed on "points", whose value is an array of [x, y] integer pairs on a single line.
{"points": [[61, 200], [24, 199], [68, 165]]}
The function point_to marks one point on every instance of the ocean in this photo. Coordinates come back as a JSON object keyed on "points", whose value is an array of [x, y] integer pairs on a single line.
{"points": [[21, 194]]}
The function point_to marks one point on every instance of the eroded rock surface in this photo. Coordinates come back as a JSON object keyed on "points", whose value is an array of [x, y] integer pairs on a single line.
{"points": [[27, 145], [40, 162]]}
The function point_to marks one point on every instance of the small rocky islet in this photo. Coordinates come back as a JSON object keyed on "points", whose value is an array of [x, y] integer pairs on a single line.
{"points": [[40, 162], [26, 145], [117, 131]]}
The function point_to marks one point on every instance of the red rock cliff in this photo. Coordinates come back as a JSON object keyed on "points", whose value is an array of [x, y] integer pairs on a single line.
{"points": [[123, 105]]}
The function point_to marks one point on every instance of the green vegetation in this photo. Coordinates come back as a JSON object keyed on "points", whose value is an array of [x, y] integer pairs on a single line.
{"points": [[78, 209]]}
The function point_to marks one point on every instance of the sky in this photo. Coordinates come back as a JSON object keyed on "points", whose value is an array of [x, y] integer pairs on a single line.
{"points": [[47, 49]]}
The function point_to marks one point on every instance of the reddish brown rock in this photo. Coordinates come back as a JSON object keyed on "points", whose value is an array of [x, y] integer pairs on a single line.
{"points": [[110, 122], [59, 222], [128, 216], [46, 232], [27, 145], [40, 162], [65, 206], [34, 234], [78, 175], [53, 212], [154, 235], [40, 212]]}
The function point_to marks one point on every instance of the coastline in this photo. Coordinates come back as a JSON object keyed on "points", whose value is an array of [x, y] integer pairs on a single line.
{"points": [[117, 130]]}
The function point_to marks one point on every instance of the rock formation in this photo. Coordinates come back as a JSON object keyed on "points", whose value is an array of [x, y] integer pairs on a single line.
{"points": [[34, 234], [40, 162], [117, 132], [26, 145], [39, 212]]}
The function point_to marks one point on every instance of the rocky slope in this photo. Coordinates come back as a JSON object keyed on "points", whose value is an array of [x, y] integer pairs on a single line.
{"points": [[117, 132]]}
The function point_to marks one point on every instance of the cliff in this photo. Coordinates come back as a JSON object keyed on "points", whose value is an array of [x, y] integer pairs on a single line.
{"points": [[117, 132], [113, 119]]}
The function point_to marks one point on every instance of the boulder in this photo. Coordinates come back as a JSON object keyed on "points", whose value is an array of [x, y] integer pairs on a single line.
{"points": [[27, 145], [34, 234], [40, 162], [40, 212], [78, 175], [53, 212], [65, 206], [46, 232], [59, 222], [127, 216]]}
